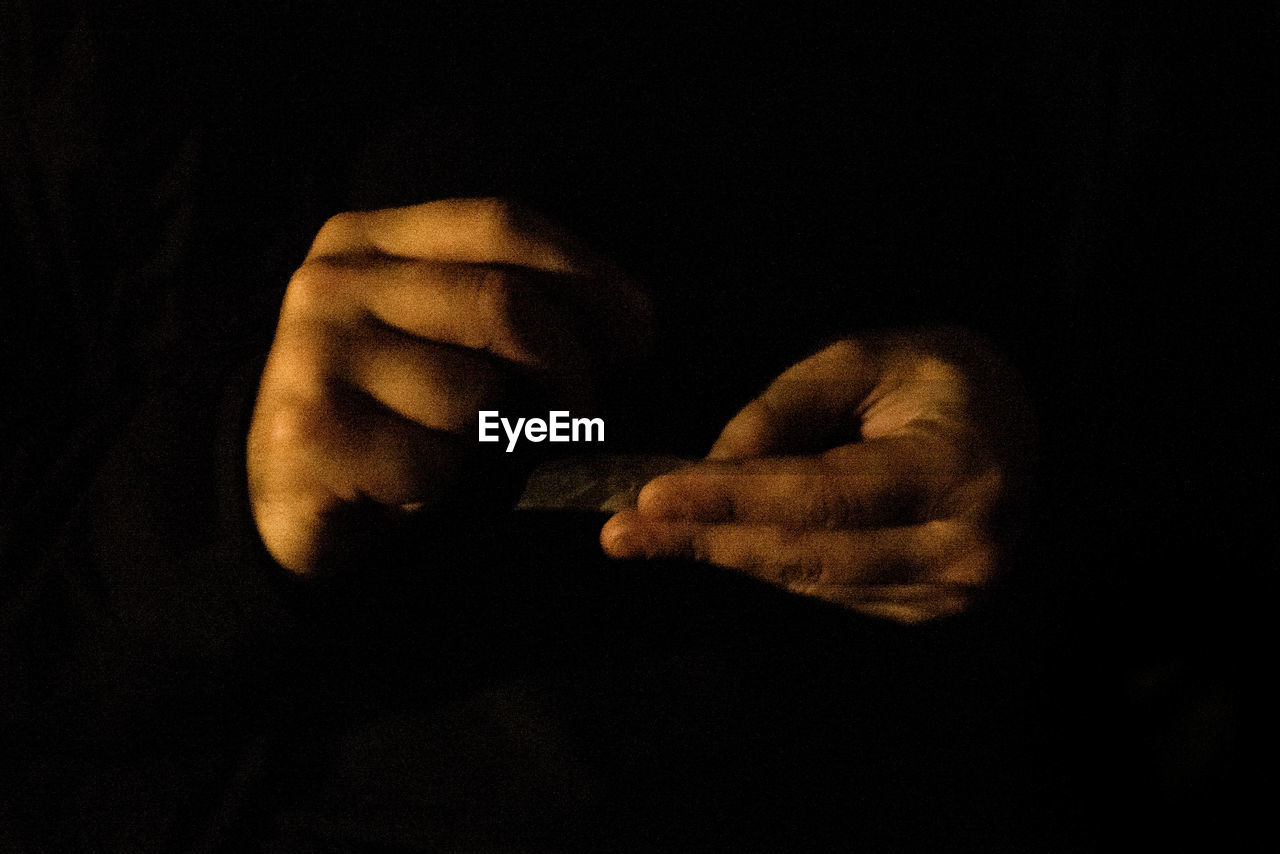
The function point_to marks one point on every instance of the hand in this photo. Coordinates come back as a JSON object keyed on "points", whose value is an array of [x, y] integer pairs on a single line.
{"points": [[400, 325], [873, 475]]}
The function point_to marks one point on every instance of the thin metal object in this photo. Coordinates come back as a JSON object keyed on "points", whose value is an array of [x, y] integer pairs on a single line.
{"points": [[601, 482]]}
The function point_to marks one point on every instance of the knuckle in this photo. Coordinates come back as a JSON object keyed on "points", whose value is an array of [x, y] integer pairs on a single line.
{"points": [[339, 231], [848, 352], [836, 508], [797, 563], [803, 571], [297, 429], [300, 425], [312, 288]]}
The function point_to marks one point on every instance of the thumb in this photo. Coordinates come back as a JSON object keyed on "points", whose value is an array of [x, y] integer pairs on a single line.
{"points": [[814, 405]]}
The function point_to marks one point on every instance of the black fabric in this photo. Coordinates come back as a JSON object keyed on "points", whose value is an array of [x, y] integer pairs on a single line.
{"points": [[518, 694], [1080, 182]]}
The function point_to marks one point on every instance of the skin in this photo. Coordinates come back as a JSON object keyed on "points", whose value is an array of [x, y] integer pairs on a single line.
{"points": [[398, 327], [873, 474]]}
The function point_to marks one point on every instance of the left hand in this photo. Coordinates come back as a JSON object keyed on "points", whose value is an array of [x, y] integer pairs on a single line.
{"points": [[873, 474]]}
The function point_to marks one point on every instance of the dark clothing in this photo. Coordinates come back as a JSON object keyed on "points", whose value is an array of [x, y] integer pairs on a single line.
{"points": [[522, 694], [774, 181]]}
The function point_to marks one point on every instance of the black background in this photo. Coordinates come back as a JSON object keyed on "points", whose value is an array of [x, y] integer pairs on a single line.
{"points": [[1082, 182]]}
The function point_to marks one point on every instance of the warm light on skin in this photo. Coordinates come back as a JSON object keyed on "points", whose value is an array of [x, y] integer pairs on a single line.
{"points": [[865, 475], [402, 325], [893, 518]]}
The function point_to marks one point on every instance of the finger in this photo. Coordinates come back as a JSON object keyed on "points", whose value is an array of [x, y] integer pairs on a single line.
{"points": [[903, 603], [882, 482], [497, 310], [951, 552], [796, 560], [441, 388], [468, 231], [321, 458], [495, 232], [905, 574], [319, 428], [809, 406], [317, 455], [349, 447]]}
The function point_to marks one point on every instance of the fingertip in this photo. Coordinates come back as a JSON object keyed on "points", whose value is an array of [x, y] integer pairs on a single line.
{"points": [[658, 497], [617, 537]]}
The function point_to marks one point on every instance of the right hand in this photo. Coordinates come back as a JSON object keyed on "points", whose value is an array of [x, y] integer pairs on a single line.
{"points": [[400, 325]]}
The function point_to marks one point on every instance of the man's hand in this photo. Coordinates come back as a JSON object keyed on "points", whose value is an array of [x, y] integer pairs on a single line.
{"points": [[400, 325], [873, 474]]}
